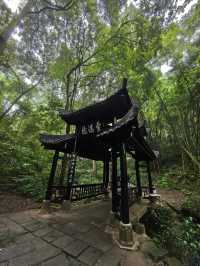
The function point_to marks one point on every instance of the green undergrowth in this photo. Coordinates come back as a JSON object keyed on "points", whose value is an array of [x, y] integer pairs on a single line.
{"points": [[186, 181], [180, 235]]}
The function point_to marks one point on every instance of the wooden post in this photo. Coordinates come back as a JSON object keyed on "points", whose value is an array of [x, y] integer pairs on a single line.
{"points": [[64, 162], [51, 176], [124, 186], [124, 83], [149, 178], [138, 178], [114, 180], [106, 172], [72, 166]]}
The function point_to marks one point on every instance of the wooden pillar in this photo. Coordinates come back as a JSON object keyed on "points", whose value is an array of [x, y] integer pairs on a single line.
{"points": [[51, 176], [106, 173], [138, 178], [64, 161], [149, 178], [124, 186], [72, 166], [114, 180], [124, 83], [70, 177]]}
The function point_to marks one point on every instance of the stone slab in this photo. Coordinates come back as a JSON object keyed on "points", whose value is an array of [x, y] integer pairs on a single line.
{"points": [[30, 239], [15, 251], [43, 231], [21, 217], [90, 256], [52, 236], [65, 229], [34, 225], [6, 238], [60, 260], [75, 247], [4, 263], [63, 242], [112, 258], [24, 244], [35, 257], [73, 228], [8, 225], [97, 239], [79, 227], [74, 262]]}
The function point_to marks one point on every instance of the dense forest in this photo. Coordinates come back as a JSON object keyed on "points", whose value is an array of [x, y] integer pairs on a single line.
{"points": [[69, 54]]}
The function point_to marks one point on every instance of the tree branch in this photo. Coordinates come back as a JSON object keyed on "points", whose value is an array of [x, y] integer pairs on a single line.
{"points": [[53, 7], [17, 99]]}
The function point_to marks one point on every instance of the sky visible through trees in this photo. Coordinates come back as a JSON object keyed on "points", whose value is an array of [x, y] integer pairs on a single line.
{"points": [[165, 67]]}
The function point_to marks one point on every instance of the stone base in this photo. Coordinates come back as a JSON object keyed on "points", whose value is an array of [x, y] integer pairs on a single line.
{"points": [[46, 204], [125, 235], [66, 205], [106, 197], [154, 198]]}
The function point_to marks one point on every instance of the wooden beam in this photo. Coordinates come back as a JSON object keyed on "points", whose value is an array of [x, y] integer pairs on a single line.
{"points": [[72, 165], [124, 186], [151, 189], [51, 176], [114, 180], [138, 178], [124, 83], [106, 172]]}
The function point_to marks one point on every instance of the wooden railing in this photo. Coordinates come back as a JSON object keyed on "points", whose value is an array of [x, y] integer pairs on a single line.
{"points": [[58, 193], [78, 192], [84, 191], [133, 192], [132, 196]]}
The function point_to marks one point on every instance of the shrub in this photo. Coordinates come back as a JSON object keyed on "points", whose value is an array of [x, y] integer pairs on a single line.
{"points": [[180, 236]]}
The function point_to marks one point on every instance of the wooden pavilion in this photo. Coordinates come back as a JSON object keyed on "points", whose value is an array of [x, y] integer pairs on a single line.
{"points": [[105, 131]]}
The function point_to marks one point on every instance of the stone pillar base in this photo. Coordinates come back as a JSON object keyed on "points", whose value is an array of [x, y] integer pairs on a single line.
{"points": [[126, 234], [46, 205], [154, 198], [106, 196], [66, 205], [125, 239]]}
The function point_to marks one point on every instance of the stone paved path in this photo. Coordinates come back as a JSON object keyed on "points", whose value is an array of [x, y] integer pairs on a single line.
{"points": [[76, 238]]}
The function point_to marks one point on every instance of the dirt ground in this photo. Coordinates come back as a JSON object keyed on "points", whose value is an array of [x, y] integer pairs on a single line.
{"points": [[12, 202], [173, 197]]}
